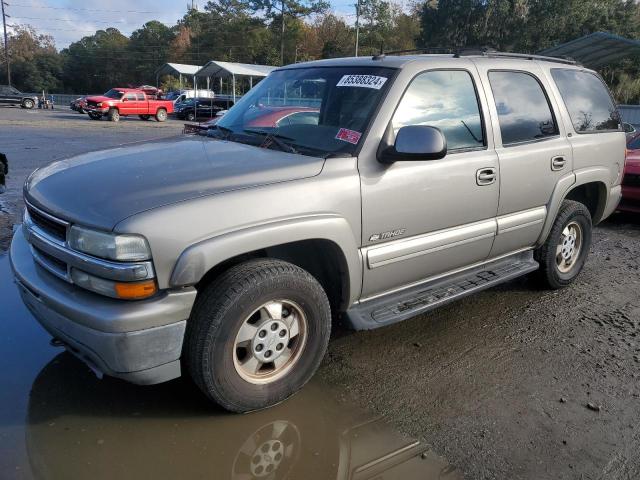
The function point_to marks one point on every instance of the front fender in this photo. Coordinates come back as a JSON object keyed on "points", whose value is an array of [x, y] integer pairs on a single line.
{"points": [[201, 257]]}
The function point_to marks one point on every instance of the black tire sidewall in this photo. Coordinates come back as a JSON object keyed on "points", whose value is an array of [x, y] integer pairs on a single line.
{"points": [[557, 278], [222, 380], [28, 104]]}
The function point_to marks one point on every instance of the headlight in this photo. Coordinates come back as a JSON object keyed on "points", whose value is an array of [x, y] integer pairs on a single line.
{"points": [[122, 248], [126, 291]]}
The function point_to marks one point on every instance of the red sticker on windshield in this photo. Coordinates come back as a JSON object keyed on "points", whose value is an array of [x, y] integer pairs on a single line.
{"points": [[347, 135]]}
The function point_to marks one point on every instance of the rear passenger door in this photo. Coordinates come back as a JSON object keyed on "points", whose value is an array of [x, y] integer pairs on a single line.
{"points": [[425, 218], [533, 151]]}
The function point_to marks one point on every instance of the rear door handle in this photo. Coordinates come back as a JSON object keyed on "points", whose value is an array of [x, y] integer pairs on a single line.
{"points": [[558, 163], [486, 176]]}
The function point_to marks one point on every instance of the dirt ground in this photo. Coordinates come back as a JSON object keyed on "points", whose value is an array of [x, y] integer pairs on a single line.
{"points": [[516, 382]]}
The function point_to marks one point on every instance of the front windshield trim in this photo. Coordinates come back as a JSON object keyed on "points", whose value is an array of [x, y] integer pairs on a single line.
{"points": [[330, 118]]}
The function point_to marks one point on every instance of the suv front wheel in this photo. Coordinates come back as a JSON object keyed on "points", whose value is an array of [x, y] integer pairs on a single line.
{"points": [[565, 252], [257, 334]]}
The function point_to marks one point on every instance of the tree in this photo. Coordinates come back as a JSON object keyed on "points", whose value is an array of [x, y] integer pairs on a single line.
{"points": [[279, 10]]}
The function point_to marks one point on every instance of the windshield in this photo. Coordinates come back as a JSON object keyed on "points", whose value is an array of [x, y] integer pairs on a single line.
{"points": [[114, 94], [315, 111]]}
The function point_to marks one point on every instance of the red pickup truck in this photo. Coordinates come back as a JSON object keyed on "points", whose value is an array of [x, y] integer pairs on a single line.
{"points": [[119, 102]]}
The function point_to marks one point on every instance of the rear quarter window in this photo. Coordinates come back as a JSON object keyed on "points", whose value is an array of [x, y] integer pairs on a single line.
{"points": [[588, 101]]}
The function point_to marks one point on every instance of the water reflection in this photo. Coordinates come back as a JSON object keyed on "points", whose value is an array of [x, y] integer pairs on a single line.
{"points": [[81, 427], [60, 422]]}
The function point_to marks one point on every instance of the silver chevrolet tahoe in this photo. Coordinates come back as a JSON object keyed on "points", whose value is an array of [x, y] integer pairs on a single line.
{"points": [[371, 189]]}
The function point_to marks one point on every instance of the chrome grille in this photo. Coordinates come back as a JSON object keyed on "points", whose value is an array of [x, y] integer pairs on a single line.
{"points": [[48, 224]]}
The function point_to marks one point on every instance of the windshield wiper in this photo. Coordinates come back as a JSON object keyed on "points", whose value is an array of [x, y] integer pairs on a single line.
{"points": [[225, 131], [271, 138]]}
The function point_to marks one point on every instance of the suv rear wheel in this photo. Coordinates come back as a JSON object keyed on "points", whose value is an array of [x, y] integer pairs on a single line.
{"points": [[565, 252], [257, 334]]}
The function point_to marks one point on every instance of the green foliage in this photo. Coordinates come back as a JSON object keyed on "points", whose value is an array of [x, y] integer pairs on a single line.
{"points": [[249, 31]]}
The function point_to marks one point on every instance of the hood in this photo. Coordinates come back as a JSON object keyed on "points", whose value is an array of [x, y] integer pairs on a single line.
{"points": [[100, 98], [100, 189]]}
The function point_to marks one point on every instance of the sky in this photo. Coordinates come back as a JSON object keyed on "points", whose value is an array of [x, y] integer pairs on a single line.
{"points": [[70, 20]]}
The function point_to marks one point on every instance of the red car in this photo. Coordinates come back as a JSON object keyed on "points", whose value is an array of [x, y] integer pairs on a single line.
{"points": [[631, 182], [119, 102], [267, 117]]}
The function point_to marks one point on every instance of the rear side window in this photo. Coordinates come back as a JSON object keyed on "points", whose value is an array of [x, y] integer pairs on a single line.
{"points": [[589, 103], [445, 99], [140, 96], [523, 109]]}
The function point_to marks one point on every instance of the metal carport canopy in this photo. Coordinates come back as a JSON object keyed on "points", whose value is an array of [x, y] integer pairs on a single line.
{"points": [[596, 49], [215, 68], [179, 69]]}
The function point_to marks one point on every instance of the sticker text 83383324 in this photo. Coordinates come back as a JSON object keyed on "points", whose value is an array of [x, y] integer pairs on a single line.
{"points": [[364, 81]]}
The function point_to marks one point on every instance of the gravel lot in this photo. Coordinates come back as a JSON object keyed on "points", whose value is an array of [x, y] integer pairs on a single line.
{"points": [[516, 382]]}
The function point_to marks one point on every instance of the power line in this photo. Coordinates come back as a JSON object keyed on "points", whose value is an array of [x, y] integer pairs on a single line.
{"points": [[83, 9], [49, 19]]}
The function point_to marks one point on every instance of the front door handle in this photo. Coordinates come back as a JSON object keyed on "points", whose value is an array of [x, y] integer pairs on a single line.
{"points": [[486, 176], [558, 163]]}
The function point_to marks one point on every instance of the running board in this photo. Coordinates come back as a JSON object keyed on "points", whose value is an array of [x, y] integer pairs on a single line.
{"points": [[408, 303]]}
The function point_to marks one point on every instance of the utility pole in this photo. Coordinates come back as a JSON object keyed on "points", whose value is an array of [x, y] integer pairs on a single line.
{"points": [[357, 25], [6, 41], [281, 36]]}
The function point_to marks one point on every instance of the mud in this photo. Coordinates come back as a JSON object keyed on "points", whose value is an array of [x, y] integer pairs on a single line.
{"points": [[499, 384]]}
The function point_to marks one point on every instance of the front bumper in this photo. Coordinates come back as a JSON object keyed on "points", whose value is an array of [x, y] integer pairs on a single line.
{"points": [[138, 341]]}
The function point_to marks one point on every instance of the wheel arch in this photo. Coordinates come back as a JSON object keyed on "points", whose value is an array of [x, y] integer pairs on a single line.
{"points": [[324, 246], [588, 187]]}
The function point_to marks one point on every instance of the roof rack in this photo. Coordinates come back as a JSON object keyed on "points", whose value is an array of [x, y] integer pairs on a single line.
{"points": [[478, 52], [491, 53]]}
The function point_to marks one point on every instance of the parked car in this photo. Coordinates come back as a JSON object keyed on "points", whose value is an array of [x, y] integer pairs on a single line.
{"points": [[631, 181], [420, 180], [201, 108], [12, 96], [182, 95], [119, 102], [79, 104], [629, 130]]}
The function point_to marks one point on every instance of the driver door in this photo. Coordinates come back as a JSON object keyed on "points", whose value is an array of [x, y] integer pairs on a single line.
{"points": [[424, 218]]}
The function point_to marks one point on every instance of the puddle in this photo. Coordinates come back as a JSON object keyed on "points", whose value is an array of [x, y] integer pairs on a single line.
{"points": [[58, 421]]}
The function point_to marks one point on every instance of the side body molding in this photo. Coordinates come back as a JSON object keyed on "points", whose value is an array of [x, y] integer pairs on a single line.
{"points": [[199, 258]]}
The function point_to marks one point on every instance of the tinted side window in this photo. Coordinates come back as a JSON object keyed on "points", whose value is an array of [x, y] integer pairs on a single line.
{"points": [[587, 99], [445, 99], [131, 97], [140, 96], [523, 109]]}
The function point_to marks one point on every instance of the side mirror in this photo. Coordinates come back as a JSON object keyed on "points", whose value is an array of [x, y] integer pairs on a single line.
{"points": [[413, 142]]}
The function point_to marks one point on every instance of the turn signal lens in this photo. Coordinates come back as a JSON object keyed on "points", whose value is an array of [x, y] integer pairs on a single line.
{"points": [[135, 291]]}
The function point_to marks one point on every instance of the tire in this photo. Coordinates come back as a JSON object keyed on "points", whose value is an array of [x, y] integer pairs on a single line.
{"points": [[565, 251], [161, 115], [144, 117], [190, 117], [214, 352], [113, 115], [28, 103]]}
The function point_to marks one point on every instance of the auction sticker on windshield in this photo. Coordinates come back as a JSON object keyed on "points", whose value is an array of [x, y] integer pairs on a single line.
{"points": [[366, 81], [347, 135]]}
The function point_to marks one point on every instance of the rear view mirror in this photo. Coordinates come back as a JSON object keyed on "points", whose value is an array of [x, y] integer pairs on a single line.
{"points": [[414, 142]]}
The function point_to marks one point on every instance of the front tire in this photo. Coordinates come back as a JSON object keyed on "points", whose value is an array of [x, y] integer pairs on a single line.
{"points": [[28, 104], [190, 117], [113, 115], [566, 249], [257, 334]]}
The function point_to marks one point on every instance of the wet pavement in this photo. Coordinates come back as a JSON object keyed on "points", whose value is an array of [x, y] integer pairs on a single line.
{"points": [[58, 421]]}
